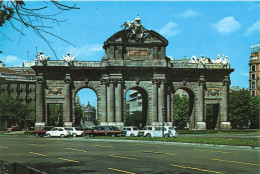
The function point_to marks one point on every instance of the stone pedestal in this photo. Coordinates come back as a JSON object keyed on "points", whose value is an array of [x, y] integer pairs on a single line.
{"points": [[225, 125], [39, 125], [67, 124], [200, 126]]}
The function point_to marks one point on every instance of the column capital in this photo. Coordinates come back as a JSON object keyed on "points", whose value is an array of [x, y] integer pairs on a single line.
{"points": [[155, 81], [40, 80], [68, 80]]}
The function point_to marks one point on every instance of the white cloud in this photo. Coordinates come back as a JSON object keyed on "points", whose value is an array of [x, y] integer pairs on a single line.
{"points": [[254, 28], [11, 60], [244, 74], [227, 25], [170, 29], [187, 14], [86, 50]]}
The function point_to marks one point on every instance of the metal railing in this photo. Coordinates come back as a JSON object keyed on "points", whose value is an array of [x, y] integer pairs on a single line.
{"points": [[17, 168]]}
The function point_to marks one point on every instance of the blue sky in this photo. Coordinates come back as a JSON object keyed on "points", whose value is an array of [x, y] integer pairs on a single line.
{"points": [[192, 28]]}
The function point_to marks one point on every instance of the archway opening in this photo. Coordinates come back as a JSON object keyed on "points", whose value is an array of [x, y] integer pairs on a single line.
{"points": [[183, 108], [85, 108], [136, 107], [212, 113], [55, 114]]}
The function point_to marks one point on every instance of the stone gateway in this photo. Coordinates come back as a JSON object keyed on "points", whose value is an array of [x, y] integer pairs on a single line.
{"points": [[134, 59]]}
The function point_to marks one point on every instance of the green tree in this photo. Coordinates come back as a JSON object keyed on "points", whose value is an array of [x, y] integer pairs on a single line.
{"points": [[55, 115], [181, 111], [13, 111], [78, 112], [134, 119], [244, 109], [254, 107]]}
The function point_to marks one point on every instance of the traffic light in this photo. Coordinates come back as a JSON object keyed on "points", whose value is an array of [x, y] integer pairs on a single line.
{"points": [[163, 111]]}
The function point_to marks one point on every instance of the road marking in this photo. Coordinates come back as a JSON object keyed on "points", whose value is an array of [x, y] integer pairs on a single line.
{"points": [[103, 146], [210, 151], [122, 171], [146, 145], [37, 144], [37, 154], [2, 147], [146, 151], [238, 162], [193, 168], [76, 150], [123, 157], [69, 160]]}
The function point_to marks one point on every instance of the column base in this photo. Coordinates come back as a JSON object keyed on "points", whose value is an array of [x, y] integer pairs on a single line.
{"points": [[200, 126], [67, 124], [39, 125], [225, 125], [120, 125]]}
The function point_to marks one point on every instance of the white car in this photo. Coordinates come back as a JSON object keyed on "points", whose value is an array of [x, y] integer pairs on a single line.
{"points": [[74, 131], [156, 131], [131, 131], [58, 132]]}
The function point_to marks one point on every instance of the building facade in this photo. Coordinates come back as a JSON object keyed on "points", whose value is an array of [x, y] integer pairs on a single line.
{"points": [[254, 71]]}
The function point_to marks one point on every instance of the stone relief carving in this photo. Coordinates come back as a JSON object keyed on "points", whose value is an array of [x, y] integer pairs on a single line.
{"points": [[55, 91], [213, 92], [135, 29]]}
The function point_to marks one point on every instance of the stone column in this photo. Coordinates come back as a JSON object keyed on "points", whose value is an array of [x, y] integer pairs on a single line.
{"points": [[224, 124], [161, 99], [200, 117], [103, 100], [111, 101], [40, 104], [119, 101], [155, 101], [67, 106]]}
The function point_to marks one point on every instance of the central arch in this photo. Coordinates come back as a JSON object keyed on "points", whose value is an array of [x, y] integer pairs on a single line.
{"points": [[138, 97]]}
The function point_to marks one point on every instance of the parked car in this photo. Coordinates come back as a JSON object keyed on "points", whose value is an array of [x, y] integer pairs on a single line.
{"points": [[14, 128], [42, 132], [104, 131], [74, 131], [130, 131], [58, 132], [156, 131]]}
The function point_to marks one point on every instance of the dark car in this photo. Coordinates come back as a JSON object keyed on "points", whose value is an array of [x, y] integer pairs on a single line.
{"points": [[41, 133], [104, 131]]}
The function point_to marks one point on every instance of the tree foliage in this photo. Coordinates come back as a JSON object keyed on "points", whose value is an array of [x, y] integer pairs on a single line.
{"points": [[13, 111], [134, 119], [55, 115], [78, 112], [16, 12], [181, 111], [244, 110]]}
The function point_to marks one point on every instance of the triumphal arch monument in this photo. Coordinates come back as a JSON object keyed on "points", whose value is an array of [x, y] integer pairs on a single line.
{"points": [[134, 59]]}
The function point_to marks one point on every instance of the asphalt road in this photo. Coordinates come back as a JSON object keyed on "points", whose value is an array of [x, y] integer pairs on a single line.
{"points": [[81, 155]]}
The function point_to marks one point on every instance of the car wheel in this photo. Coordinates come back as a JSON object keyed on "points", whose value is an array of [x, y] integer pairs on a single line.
{"points": [[49, 135], [132, 135], [62, 136], [74, 135], [166, 136], [148, 135]]}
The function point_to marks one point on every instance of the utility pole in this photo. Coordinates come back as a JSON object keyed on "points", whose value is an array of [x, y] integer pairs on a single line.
{"points": [[163, 115]]}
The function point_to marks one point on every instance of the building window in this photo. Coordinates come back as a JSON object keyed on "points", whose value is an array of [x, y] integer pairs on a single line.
{"points": [[253, 67], [253, 76], [253, 85], [253, 93]]}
